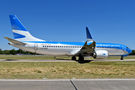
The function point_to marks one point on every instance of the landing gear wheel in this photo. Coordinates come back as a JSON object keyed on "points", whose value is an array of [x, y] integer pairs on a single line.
{"points": [[121, 58], [81, 58], [73, 58]]}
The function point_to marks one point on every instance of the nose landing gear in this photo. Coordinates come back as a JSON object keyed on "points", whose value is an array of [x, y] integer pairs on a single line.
{"points": [[121, 58]]}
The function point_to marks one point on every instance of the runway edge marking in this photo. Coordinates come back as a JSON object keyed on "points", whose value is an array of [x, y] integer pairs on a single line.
{"points": [[67, 80]]}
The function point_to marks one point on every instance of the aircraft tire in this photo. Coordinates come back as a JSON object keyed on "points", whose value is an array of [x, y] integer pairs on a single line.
{"points": [[73, 58], [121, 58], [81, 58]]}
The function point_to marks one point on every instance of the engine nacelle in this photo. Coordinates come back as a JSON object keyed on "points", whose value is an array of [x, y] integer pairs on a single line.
{"points": [[100, 54]]}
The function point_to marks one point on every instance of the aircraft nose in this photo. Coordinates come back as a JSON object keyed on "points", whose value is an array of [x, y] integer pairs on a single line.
{"points": [[129, 51]]}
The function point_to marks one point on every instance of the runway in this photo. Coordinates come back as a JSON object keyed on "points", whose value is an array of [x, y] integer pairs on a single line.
{"points": [[17, 60], [68, 84]]}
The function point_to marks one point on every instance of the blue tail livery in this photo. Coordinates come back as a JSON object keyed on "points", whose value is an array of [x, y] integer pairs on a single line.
{"points": [[19, 31]]}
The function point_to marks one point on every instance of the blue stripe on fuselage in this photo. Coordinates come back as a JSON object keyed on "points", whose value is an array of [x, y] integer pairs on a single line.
{"points": [[53, 42], [102, 45], [110, 45]]}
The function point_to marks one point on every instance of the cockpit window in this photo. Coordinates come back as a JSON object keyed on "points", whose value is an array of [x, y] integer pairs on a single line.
{"points": [[127, 47]]}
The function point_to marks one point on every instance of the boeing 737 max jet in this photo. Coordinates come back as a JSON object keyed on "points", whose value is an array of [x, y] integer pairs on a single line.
{"points": [[25, 41]]}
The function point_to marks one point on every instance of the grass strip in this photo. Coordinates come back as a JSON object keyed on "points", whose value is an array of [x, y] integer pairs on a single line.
{"points": [[66, 70]]}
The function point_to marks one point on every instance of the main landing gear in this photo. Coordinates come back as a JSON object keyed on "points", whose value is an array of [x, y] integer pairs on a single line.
{"points": [[81, 58], [73, 58], [121, 58]]}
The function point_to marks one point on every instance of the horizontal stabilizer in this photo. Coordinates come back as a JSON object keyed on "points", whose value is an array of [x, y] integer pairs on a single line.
{"points": [[15, 41]]}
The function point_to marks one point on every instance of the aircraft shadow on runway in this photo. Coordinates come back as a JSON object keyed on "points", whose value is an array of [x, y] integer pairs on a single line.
{"points": [[79, 61], [10, 60], [82, 62]]}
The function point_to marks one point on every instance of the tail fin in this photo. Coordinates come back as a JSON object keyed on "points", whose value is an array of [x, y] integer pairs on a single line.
{"points": [[19, 31], [89, 37]]}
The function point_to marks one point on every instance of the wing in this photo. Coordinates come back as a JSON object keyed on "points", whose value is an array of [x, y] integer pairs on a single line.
{"points": [[87, 50], [15, 41], [89, 47]]}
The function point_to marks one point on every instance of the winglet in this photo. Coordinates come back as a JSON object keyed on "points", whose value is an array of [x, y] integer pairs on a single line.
{"points": [[88, 34]]}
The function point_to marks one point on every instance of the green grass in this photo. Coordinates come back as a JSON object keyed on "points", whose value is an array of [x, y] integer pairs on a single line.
{"points": [[43, 57], [66, 70], [33, 57], [118, 57]]}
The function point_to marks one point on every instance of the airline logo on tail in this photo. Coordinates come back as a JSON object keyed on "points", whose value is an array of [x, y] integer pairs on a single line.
{"points": [[19, 31]]}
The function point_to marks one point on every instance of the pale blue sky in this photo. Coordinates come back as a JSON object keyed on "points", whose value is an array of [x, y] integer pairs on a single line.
{"points": [[109, 21]]}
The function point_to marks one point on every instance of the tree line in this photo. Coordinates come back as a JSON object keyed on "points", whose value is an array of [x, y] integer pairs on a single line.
{"points": [[14, 52], [133, 52], [19, 51]]}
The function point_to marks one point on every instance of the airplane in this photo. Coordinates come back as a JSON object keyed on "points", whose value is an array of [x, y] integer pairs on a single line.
{"points": [[25, 41]]}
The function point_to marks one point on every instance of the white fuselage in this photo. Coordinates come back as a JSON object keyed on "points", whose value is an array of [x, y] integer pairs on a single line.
{"points": [[61, 49]]}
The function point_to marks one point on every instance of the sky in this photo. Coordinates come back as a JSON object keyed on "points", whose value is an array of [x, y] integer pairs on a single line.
{"points": [[109, 21]]}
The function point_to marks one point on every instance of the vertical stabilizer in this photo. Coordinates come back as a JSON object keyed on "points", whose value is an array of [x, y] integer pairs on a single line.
{"points": [[89, 37], [19, 31]]}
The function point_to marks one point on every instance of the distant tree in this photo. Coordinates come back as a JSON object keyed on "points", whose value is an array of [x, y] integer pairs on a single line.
{"points": [[1, 52], [13, 51], [133, 52], [20, 51], [27, 52], [6, 52]]}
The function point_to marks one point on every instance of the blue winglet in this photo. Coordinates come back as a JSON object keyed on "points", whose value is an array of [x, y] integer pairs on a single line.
{"points": [[16, 24], [88, 33]]}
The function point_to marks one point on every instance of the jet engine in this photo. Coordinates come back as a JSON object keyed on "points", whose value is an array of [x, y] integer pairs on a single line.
{"points": [[100, 54]]}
